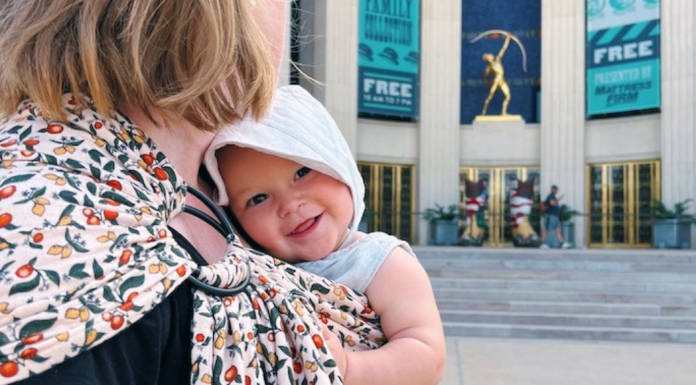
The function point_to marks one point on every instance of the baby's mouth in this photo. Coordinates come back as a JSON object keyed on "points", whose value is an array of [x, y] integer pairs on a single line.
{"points": [[306, 225]]}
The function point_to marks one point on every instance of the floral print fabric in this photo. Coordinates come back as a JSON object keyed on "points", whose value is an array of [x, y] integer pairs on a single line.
{"points": [[85, 252]]}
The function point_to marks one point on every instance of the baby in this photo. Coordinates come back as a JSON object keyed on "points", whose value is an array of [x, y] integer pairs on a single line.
{"points": [[296, 193]]}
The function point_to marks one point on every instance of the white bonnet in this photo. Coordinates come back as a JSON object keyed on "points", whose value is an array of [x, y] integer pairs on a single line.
{"points": [[298, 128]]}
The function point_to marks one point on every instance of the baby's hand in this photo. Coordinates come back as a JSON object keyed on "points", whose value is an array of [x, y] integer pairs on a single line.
{"points": [[333, 344]]}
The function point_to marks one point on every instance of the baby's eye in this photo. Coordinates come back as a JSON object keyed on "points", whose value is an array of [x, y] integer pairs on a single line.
{"points": [[257, 199], [302, 172]]}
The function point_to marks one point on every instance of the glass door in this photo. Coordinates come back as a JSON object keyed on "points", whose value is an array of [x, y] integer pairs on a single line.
{"points": [[494, 216], [619, 203], [389, 199]]}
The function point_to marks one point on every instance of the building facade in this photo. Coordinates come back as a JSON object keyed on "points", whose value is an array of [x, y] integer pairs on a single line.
{"points": [[610, 167]]}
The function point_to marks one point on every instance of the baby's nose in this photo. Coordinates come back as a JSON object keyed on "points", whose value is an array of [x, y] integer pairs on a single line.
{"points": [[291, 205]]}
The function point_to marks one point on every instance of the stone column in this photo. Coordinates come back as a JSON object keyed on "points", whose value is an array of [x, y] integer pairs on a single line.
{"points": [[678, 61], [678, 97], [563, 104], [438, 166], [336, 62], [284, 70]]}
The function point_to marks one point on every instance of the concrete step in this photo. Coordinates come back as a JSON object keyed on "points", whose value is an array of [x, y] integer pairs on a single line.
{"points": [[583, 276], [541, 296], [566, 332], [574, 286], [585, 255], [568, 307], [671, 256], [557, 265], [624, 295], [570, 320]]}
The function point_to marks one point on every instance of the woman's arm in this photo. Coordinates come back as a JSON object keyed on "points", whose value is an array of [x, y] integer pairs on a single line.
{"points": [[415, 354]]}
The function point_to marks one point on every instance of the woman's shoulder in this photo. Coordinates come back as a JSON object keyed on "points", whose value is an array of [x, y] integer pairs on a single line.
{"points": [[28, 134], [107, 149]]}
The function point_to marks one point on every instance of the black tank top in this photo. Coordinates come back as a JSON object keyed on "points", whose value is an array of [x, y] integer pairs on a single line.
{"points": [[154, 350]]}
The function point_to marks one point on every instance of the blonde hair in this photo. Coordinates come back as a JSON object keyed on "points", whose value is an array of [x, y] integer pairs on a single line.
{"points": [[205, 61]]}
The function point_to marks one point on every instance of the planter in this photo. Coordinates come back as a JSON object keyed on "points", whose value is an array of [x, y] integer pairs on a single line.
{"points": [[672, 234], [568, 231], [444, 232], [362, 226]]}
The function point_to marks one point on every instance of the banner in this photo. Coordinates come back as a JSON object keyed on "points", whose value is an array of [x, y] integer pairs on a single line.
{"points": [[623, 55], [389, 49]]}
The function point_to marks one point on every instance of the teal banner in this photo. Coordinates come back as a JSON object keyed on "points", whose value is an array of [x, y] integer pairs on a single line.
{"points": [[623, 56], [388, 65]]}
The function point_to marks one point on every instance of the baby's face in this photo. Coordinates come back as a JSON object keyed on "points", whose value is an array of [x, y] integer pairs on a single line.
{"points": [[294, 213]]}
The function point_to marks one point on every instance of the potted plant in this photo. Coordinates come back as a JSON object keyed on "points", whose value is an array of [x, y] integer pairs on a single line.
{"points": [[444, 224], [365, 220], [672, 227], [567, 226]]}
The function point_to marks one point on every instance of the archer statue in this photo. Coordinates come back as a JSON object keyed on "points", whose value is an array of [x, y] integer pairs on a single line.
{"points": [[495, 67]]}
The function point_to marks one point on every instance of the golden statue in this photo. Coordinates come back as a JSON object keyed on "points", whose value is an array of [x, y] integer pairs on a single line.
{"points": [[495, 67]]}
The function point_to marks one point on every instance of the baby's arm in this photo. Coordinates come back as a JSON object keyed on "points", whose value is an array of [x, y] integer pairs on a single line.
{"points": [[415, 354]]}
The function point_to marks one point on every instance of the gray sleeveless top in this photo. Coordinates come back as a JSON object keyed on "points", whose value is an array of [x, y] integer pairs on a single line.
{"points": [[356, 264]]}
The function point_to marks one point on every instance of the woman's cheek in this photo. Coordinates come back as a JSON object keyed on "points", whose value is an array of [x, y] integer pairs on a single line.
{"points": [[271, 17]]}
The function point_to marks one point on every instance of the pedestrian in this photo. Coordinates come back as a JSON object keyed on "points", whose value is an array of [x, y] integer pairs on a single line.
{"points": [[552, 221]]}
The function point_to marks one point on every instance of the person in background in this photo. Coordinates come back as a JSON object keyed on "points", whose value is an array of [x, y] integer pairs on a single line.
{"points": [[552, 221], [296, 193]]}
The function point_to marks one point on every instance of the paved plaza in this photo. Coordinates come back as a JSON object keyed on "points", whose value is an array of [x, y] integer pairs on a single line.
{"points": [[483, 361]]}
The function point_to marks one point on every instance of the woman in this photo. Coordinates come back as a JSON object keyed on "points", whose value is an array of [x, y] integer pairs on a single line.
{"points": [[108, 107]]}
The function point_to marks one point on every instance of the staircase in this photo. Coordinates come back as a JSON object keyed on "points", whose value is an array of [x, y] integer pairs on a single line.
{"points": [[620, 295]]}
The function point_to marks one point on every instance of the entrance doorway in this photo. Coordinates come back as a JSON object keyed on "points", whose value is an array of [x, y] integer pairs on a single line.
{"points": [[389, 199], [619, 203], [494, 217]]}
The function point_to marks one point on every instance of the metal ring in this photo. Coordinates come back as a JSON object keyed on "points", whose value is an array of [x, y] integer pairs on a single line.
{"points": [[210, 289], [207, 219], [224, 227], [224, 222]]}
